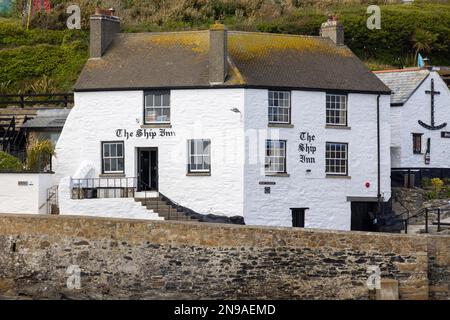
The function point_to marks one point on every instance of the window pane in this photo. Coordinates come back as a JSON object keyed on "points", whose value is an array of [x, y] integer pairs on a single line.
{"points": [[107, 165], [113, 148], [166, 100], [120, 150], [106, 150], [149, 100], [120, 166], [158, 100]]}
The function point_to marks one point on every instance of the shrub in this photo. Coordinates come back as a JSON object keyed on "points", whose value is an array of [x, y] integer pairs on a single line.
{"points": [[9, 162], [431, 195], [437, 184], [426, 182], [39, 155], [446, 181]]}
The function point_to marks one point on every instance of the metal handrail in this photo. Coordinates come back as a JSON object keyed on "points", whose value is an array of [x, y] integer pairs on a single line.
{"points": [[426, 211], [81, 184]]}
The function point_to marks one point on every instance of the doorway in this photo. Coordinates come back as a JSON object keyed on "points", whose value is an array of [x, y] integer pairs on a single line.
{"points": [[363, 215], [298, 217], [147, 165]]}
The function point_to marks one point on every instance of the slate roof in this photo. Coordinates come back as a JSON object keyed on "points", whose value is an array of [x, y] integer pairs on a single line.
{"points": [[48, 118], [45, 122], [402, 82], [180, 60]]}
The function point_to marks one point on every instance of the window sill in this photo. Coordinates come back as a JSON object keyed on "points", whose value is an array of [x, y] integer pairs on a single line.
{"points": [[330, 126], [280, 125], [336, 176], [156, 125], [277, 175], [112, 175], [200, 174]]}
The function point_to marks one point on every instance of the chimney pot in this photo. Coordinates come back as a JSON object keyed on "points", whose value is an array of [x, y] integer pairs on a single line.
{"points": [[333, 29]]}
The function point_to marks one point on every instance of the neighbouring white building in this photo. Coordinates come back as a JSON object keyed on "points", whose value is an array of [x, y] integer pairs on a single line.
{"points": [[420, 124], [281, 130]]}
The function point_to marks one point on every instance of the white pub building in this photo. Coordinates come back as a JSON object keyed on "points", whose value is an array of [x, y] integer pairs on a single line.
{"points": [[217, 125]]}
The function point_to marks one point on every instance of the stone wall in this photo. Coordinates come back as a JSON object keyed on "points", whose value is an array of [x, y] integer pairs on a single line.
{"points": [[158, 259], [439, 267]]}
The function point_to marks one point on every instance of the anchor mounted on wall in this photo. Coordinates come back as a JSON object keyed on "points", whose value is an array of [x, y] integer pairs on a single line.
{"points": [[433, 93]]}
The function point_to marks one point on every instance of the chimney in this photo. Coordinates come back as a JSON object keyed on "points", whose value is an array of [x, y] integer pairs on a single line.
{"points": [[334, 30], [217, 54], [104, 26]]}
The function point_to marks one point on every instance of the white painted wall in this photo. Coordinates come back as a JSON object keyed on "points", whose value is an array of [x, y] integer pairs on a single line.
{"points": [[108, 207], [237, 147], [30, 198], [195, 114], [418, 107], [326, 197]]}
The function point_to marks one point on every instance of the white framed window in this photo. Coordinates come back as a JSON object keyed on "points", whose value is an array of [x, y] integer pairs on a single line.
{"points": [[275, 160], [199, 155], [279, 107], [113, 158], [336, 109], [157, 107], [336, 158]]}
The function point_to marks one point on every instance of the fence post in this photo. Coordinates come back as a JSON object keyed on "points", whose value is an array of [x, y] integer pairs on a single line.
{"points": [[439, 220], [406, 226], [22, 103], [426, 220]]}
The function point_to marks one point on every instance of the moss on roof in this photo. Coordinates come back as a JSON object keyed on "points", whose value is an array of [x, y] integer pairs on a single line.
{"points": [[248, 45]]}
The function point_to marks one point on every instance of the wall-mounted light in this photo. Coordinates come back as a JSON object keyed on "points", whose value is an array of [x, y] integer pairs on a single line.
{"points": [[235, 110]]}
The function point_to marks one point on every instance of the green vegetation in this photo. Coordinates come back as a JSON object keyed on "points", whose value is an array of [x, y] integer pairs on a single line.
{"points": [[39, 155], [49, 49], [437, 188], [38, 59], [9, 162]]}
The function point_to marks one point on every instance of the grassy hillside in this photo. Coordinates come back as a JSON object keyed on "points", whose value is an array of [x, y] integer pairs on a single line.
{"points": [[49, 57]]}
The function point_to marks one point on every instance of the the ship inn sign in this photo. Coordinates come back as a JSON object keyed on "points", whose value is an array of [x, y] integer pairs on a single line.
{"points": [[306, 147], [147, 134]]}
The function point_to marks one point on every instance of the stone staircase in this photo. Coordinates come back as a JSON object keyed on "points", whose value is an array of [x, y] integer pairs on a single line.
{"points": [[164, 209]]}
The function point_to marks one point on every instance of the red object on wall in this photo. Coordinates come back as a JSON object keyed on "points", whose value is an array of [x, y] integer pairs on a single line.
{"points": [[42, 5], [367, 184]]}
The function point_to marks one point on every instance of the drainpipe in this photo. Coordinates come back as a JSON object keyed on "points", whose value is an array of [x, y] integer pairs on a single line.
{"points": [[378, 158]]}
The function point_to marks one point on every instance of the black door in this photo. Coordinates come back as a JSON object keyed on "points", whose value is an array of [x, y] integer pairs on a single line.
{"points": [[298, 217], [363, 214], [147, 169]]}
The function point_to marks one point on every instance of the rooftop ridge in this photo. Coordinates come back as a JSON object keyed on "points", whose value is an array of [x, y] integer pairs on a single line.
{"points": [[399, 70], [229, 31]]}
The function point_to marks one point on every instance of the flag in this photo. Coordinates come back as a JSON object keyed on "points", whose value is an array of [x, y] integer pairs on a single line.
{"points": [[420, 62]]}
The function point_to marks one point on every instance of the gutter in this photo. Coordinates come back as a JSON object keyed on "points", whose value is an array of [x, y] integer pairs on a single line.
{"points": [[378, 158]]}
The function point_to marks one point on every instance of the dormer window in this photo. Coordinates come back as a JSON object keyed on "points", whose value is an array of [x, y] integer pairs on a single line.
{"points": [[157, 107]]}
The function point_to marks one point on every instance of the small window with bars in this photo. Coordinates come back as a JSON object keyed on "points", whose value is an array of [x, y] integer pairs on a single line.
{"points": [[336, 110], [275, 160], [113, 157], [157, 107], [279, 107], [417, 143], [336, 158], [199, 155]]}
